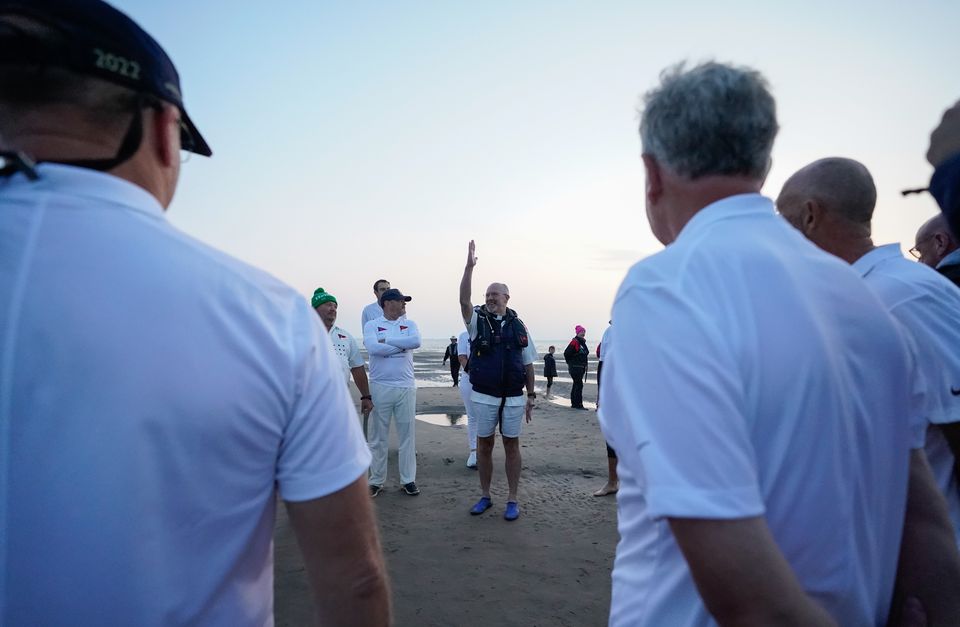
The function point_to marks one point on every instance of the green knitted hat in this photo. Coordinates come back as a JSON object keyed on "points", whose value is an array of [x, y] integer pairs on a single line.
{"points": [[320, 297]]}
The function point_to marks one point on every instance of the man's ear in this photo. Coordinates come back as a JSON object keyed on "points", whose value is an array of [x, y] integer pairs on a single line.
{"points": [[165, 133], [654, 183], [812, 217]]}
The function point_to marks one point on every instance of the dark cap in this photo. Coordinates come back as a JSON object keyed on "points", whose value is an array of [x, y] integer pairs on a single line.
{"points": [[393, 294], [98, 40]]}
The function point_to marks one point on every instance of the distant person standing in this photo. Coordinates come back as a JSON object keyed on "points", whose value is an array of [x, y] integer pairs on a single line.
{"points": [[345, 347], [550, 368], [501, 365], [613, 481], [463, 356], [576, 355], [451, 354], [390, 341], [374, 310]]}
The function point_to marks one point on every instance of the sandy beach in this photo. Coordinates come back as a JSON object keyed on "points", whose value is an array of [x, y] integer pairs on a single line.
{"points": [[550, 567]]}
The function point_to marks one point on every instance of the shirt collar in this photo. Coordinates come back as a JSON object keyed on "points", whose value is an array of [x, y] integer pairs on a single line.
{"points": [[89, 184], [729, 207], [953, 259], [865, 264]]}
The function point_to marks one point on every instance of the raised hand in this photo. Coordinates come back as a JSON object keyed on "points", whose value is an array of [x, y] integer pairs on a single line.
{"points": [[471, 258]]}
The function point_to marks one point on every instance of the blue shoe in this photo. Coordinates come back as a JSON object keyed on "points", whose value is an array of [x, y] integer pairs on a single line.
{"points": [[512, 512], [482, 505]]}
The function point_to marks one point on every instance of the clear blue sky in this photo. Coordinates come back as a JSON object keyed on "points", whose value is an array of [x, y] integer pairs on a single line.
{"points": [[360, 140]]}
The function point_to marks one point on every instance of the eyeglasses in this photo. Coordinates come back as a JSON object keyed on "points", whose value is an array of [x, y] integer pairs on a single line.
{"points": [[915, 251]]}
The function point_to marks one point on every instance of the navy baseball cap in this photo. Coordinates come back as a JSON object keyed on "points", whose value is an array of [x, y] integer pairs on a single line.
{"points": [[98, 40], [393, 294]]}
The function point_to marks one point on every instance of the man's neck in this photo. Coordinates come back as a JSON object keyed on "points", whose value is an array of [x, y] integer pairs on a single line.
{"points": [[329, 327], [393, 319]]}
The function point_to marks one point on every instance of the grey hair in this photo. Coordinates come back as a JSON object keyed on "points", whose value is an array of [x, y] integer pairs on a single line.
{"points": [[712, 119]]}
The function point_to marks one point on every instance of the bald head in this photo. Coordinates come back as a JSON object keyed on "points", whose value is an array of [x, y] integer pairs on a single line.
{"points": [[496, 298], [934, 241], [840, 186], [831, 202]]}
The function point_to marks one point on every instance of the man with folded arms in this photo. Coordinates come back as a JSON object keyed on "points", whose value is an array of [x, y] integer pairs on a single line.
{"points": [[390, 341]]}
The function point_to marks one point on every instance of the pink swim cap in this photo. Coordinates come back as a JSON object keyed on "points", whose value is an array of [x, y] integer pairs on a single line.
{"points": [[579, 329]]}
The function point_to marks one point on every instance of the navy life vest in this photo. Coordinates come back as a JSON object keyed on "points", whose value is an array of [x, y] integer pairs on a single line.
{"points": [[496, 354]]}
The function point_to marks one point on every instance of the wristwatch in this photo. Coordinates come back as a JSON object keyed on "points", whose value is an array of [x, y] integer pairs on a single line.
{"points": [[531, 395], [366, 398]]}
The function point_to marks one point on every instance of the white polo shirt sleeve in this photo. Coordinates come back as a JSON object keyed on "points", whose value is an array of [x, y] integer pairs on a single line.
{"points": [[934, 328], [323, 448], [354, 358], [463, 344], [683, 395]]}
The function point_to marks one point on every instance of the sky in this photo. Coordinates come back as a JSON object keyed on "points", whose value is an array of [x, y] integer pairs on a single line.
{"points": [[362, 140]]}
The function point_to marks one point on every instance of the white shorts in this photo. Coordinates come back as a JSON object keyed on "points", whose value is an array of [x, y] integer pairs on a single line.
{"points": [[487, 419]]}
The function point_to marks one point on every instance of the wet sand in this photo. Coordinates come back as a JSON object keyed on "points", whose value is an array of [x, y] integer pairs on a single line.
{"points": [[550, 567]]}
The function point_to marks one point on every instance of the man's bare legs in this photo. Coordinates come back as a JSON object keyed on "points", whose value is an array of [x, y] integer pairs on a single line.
{"points": [[511, 449], [485, 462], [613, 481]]}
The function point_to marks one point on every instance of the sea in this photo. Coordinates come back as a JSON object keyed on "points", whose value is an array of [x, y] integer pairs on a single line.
{"points": [[430, 371]]}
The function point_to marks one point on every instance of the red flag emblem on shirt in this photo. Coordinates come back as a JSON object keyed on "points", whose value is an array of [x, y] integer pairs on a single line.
{"points": [[342, 337], [380, 329], [403, 328]]}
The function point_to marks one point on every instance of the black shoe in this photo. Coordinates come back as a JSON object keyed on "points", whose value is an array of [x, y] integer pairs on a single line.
{"points": [[411, 488], [375, 490]]}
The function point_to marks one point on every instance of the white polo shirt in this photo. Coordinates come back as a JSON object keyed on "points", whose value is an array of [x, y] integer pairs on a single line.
{"points": [[370, 312], [463, 348], [153, 392], [529, 356], [346, 349], [752, 374], [927, 304], [391, 360]]}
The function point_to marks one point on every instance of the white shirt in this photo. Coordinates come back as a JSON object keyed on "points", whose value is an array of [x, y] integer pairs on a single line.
{"points": [[727, 394], [346, 349], [370, 312], [604, 341], [927, 304], [529, 356], [153, 391], [463, 348], [391, 360]]}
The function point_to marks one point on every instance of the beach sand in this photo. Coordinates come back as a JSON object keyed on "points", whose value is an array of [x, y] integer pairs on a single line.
{"points": [[550, 567]]}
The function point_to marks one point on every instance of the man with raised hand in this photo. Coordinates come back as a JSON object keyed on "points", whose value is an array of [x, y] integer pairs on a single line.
{"points": [[501, 366], [148, 422], [831, 201], [769, 494], [390, 341]]}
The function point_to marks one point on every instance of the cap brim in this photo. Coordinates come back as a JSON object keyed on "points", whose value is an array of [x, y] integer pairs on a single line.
{"points": [[195, 141]]}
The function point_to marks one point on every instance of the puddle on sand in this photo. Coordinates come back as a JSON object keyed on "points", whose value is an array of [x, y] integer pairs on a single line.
{"points": [[444, 420]]}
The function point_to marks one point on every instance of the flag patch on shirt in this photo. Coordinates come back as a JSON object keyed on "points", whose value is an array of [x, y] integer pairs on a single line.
{"points": [[403, 328], [341, 336], [380, 329]]}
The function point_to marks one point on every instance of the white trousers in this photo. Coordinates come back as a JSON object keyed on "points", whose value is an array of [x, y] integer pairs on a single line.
{"points": [[465, 390], [401, 405]]}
